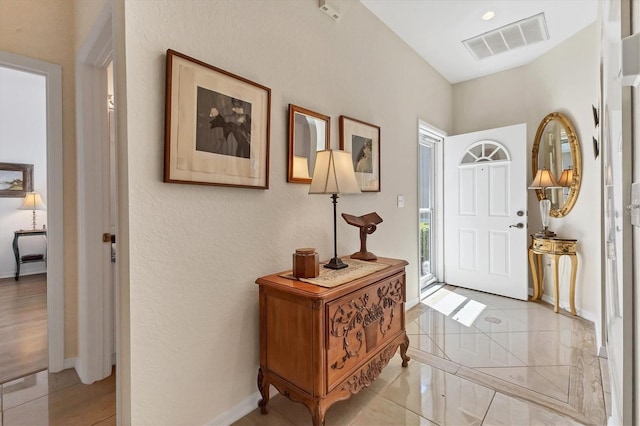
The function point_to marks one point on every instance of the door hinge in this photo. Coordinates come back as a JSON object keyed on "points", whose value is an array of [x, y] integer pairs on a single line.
{"points": [[106, 237]]}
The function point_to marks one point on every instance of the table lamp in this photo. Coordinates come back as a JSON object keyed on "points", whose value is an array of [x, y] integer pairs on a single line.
{"points": [[544, 179], [33, 201], [333, 174]]}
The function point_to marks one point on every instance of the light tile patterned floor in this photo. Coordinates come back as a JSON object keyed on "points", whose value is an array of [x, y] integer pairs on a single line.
{"points": [[488, 360], [44, 398], [476, 359]]}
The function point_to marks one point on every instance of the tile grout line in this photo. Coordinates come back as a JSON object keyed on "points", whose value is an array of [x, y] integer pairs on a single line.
{"points": [[488, 407], [533, 400], [558, 406], [564, 408]]}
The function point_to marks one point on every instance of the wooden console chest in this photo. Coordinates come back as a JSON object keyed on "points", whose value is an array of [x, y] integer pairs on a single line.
{"points": [[321, 345]]}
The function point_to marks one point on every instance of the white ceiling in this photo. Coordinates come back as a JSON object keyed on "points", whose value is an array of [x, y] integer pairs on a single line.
{"points": [[436, 28]]}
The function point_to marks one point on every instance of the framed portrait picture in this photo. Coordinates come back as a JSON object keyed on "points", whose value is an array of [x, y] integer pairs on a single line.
{"points": [[362, 140], [16, 179], [216, 126], [308, 133]]}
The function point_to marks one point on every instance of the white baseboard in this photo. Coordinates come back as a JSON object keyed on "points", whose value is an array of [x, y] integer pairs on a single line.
{"points": [[614, 419], [240, 410], [411, 303], [590, 316], [70, 363], [12, 274], [565, 305]]}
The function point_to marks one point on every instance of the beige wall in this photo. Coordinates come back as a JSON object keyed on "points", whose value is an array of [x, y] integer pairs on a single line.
{"points": [[195, 251], [85, 13], [566, 79], [43, 29]]}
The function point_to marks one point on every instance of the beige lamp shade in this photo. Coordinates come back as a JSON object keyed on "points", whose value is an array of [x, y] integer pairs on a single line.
{"points": [[566, 178], [544, 179], [32, 201], [333, 174], [301, 167]]}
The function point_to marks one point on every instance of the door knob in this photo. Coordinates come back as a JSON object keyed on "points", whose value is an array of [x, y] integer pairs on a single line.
{"points": [[517, 225]]}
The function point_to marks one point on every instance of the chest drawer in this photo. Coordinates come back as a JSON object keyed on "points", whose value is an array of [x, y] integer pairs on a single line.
{"points": [[361, 322], [542, 245]]}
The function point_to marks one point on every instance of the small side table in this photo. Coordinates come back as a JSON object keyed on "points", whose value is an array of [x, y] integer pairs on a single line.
{"points": [[27, 258], [555, 247]]}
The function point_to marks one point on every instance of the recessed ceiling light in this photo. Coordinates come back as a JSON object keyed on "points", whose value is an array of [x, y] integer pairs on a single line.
{"points": [[488, 15]]}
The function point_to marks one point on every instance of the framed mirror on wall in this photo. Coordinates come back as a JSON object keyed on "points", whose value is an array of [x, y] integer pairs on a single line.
{"points": [[308, 133], [556, 147]]}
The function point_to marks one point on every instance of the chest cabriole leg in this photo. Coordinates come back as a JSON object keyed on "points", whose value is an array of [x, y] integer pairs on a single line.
{"points": [[263, 387]]}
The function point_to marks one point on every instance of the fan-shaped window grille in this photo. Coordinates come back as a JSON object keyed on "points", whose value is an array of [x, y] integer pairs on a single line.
{"points": [[485, 151]]}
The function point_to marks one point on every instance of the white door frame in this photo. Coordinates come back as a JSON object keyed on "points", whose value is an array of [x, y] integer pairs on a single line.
{"points": [[437, 267], [96, 312], [55, 234]]}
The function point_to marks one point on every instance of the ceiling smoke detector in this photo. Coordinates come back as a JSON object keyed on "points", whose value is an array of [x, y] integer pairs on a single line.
{"points": [[511, 36]]}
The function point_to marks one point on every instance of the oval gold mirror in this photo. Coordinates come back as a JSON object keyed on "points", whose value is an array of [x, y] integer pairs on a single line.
{"points": [[556, 147]]}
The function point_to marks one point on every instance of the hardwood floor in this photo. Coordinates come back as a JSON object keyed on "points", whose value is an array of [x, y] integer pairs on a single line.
{"points": [[23, 326]]}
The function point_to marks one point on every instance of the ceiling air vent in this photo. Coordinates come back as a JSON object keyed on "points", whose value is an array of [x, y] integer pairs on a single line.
{"points": [[512, 36]]}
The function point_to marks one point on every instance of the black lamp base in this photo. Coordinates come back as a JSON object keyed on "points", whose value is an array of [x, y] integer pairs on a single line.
{"points": [[336, 263]]}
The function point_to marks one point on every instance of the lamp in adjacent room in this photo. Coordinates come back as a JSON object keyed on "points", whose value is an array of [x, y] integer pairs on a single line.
{"points": [[543, 180], [333, 174], [33, 201], [301, 167], [566, 178]]}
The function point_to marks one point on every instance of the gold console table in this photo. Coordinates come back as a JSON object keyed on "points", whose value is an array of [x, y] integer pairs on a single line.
{"points": [[555, 247]]}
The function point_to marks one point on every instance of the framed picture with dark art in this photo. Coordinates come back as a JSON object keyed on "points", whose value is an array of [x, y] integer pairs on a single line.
{"points": [[16, 179], [362, 140], [216, 126]]}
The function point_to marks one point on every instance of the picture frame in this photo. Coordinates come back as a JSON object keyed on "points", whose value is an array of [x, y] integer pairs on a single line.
{"points": [[362, 140], [217, 126], [16, 179], [309, 132]]}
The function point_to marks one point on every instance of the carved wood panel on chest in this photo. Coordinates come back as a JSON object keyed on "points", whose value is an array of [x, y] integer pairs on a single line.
{"points": [[321, 345]]}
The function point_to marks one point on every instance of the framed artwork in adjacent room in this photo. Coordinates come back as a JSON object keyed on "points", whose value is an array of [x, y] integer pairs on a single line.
{"points": [[216, 126], [15, 179], [362, 140]]}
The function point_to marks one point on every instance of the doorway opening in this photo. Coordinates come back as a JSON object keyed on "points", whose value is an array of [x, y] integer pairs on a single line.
{"points": [[23, 186], [34, 113]]}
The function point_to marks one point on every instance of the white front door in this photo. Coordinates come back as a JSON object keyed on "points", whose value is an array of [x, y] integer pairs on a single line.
{"points": [[485, 208]]}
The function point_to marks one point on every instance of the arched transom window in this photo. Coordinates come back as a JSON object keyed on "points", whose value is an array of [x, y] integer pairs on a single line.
{"points": [[485, 151]]}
